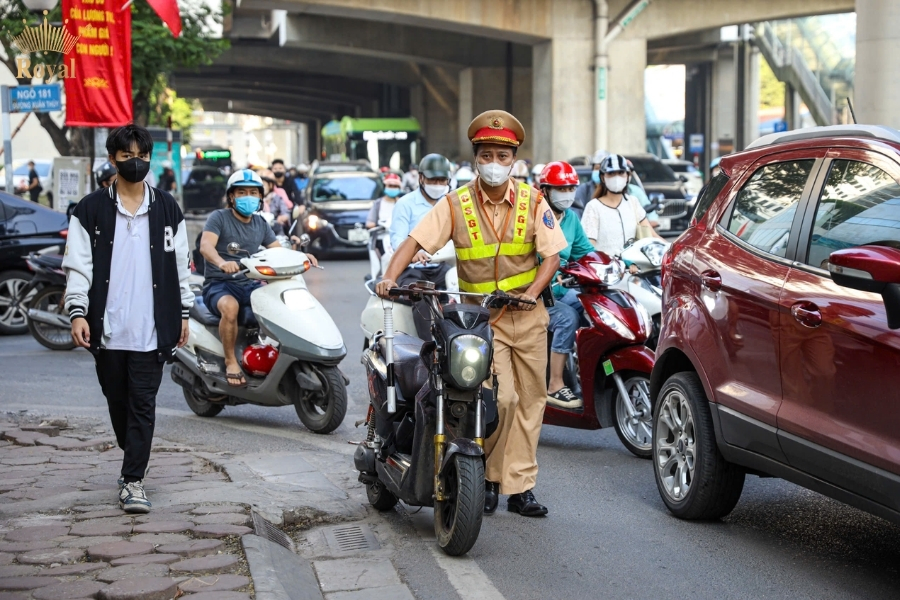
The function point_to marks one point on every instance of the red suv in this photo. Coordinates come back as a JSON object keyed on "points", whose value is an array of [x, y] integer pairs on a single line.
{"points": [[779, 353]]}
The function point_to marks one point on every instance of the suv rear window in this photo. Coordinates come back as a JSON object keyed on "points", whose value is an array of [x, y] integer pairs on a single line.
{"points": [[860, 205], [650, 170], [764, 209], [346, 188]]}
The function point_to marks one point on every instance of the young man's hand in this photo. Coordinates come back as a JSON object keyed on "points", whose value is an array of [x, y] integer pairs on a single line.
{"points": [[81, 332], [185, 333]]}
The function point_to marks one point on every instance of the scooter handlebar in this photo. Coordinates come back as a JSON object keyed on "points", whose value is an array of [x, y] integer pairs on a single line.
{"points": [[497, 299]]}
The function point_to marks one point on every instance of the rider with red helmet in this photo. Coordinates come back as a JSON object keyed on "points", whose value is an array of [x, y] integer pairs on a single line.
{"points": [[558, 183]]}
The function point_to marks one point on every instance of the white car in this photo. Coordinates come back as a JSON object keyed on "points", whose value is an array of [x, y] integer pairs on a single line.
{"points": [[44, 170]]}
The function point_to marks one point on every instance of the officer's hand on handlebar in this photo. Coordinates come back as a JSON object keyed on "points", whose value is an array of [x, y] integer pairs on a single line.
{"points": [[383, 288], [421, 257], [231, 267], [528, 304]]}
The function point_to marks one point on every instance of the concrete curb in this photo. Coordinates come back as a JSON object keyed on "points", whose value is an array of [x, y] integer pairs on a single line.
{"points": [[278, 573]]}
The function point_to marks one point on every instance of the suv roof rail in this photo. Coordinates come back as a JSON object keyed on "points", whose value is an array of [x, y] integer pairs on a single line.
{"points": [[809, 133]]}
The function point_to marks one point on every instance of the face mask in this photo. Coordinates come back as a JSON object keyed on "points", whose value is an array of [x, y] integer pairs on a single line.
{"points": [[494, 174], [616, 184], [391, 192], [246, 205], [436, 192], [562, 200], [133, 169], [595, 177], [278, 174]]}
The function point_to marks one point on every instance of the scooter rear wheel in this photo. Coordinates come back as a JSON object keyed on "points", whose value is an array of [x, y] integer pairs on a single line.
{"points": [[379, 497], [202, 408], [323, 412], [457, 520], [51, 299]]}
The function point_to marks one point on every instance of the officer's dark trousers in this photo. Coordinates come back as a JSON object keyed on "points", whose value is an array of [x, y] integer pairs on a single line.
{"points": [[130, 381], [421, 313]]}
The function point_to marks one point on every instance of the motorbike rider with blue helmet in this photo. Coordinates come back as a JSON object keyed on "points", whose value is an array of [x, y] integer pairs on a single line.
{"points": [[226, 290]]}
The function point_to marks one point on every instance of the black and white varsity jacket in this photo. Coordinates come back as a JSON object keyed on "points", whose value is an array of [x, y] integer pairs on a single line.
{"points": [[88, 258]]}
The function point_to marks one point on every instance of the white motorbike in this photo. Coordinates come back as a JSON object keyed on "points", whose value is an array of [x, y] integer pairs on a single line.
{"points": [[645, 286], [288, 345], [373, 314]]}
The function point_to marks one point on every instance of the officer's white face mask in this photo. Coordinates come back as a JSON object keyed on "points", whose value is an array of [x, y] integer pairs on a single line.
{"points": [[436, 192], [493, 173], [616, 184], [562, 200]]}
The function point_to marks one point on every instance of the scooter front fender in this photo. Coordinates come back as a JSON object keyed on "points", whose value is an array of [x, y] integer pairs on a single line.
{"points": [[462, 446], [632, 358]]}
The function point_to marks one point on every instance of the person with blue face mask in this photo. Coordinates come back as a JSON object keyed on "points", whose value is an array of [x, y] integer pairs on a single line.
{"points": [[226, 290]]}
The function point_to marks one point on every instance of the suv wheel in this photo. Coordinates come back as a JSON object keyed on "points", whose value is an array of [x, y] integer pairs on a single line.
{"points": [[12, 320], [693, 478]]}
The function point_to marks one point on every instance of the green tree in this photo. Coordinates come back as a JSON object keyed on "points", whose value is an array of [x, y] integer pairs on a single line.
{"points": [[771, 91], [155, 54]]}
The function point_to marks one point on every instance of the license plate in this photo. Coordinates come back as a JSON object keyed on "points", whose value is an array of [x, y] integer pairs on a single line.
{"points": [[665, 224], [358, 235]]}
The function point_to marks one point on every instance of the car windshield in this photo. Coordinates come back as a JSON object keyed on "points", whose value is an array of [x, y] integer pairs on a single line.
{"points": [[42, 169], [346, 188], [651, 171]]}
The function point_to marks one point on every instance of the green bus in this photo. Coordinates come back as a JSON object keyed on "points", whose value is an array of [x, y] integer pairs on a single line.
{"points": [[392, 143]]}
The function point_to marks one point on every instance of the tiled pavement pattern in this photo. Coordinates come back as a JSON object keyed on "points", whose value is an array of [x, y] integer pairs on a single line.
{"points": [[79, 551]]}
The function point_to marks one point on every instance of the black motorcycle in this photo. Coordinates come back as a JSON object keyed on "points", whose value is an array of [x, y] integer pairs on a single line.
{"points": [[430, 413], [43, 300]]}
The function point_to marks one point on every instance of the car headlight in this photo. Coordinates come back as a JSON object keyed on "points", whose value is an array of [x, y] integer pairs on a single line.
{"points": [[610, 274], [613, 322], [470, 360], [654, 253], [316, 222]]}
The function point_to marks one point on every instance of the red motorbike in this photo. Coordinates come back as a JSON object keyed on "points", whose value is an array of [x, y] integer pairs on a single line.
{"points": [[611, 359]]}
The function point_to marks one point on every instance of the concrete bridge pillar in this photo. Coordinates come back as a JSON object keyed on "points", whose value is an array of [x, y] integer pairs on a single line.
{"points": [[876, 88], [627, 121]]}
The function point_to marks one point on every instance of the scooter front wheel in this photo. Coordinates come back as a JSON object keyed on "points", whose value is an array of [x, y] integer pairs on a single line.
{"points": [[635, 432], [323, 412], [457, 520]]}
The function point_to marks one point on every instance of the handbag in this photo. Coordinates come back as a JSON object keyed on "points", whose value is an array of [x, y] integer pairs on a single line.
{"points": [[641, 231]]}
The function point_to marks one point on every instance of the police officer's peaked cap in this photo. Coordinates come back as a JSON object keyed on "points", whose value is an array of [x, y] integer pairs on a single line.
{"points": [[496, 127]]}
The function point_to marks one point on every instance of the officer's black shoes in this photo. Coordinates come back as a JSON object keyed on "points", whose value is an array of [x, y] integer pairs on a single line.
{"points": [[526, 505], [491, 495]]}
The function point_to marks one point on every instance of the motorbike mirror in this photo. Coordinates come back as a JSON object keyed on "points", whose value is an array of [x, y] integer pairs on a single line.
{"points": [[304, 241], [233, 248]]}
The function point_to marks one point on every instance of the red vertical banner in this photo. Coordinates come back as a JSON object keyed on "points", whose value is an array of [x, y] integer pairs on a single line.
{"points": [[98, 94]]}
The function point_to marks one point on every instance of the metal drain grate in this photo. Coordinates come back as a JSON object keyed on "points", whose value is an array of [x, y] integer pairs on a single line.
{"points": [[264, 529], [351, 538]]}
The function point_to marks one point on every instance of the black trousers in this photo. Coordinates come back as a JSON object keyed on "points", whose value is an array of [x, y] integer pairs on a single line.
{"points": [[130, 381], [421, 313]]}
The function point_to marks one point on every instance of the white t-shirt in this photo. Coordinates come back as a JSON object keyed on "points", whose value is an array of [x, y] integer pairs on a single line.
{"points": [[129, 322], [609, 227], [385, 213]]}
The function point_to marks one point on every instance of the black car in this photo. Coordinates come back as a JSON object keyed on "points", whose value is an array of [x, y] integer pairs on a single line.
{"points": [[204, 189], [662, 184], [338, 203], [24, 227]]}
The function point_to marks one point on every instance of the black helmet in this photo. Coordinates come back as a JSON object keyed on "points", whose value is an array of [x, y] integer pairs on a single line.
{"points": [[104, 172], [435, 166]]}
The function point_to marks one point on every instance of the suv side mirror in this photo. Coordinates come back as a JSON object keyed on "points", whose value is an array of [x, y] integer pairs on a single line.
{"points": [[683, 178], [870, 269]]}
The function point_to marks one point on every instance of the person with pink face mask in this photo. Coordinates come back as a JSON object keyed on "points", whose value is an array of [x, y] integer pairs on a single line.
{"points": [[612, 217]]}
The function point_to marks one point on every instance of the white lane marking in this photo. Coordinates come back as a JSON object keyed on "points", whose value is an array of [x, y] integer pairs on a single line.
{"points": [[464, 574]]}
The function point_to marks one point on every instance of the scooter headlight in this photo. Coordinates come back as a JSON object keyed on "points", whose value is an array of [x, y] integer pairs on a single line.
{"points": [[609, 274], [654, 252], [316, 222], [613, 322], [470, 361]]}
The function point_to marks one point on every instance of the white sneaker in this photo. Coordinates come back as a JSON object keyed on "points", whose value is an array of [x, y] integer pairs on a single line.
{"points": [[133, 498], [565, 398]]}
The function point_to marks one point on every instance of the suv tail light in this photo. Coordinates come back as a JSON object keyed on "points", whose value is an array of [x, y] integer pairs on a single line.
{"points": [[64, 234]]}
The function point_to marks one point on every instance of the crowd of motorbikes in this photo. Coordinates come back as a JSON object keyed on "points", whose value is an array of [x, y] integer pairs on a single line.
{"points": [[433, 401]]}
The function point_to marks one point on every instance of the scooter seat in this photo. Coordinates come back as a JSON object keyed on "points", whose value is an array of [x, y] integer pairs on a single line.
{"points": [[409, 370], [201, 313]]}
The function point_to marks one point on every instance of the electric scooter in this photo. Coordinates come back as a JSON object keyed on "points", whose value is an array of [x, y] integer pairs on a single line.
{"points": [[645, 285], [430, 413], [613, 363], [43, 300], [289, 346]]}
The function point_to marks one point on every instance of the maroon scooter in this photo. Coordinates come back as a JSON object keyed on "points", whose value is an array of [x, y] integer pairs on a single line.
{"points": [[612, 361]]}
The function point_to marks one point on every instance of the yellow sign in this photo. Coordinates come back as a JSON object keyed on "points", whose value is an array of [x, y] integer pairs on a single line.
{"points": [[44, 38]]}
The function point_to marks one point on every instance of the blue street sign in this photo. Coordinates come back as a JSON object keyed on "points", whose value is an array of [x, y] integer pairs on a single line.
{"points": [[780, 126], [35, 98]]}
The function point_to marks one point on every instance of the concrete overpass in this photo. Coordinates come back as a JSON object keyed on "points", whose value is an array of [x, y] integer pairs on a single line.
{"points": [[445, 61]]}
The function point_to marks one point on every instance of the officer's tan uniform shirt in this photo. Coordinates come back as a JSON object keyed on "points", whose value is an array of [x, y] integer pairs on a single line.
{"points": [[520, 347], [434, 230]]}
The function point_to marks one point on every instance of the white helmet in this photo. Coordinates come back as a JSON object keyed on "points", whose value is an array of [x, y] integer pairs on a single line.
{"points": [[598, 157], [464, 175], [520, 170], [244, 178]]}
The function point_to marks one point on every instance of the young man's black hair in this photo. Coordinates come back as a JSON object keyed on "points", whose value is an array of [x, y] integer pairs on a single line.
{"points": [[278, 161], [122, 138]]}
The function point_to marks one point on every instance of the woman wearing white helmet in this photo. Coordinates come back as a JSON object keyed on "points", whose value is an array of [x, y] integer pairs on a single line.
{"points": [[612, 217], [226, 290]]}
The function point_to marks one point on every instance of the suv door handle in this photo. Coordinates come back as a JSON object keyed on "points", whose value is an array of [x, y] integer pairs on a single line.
{"points": [[711, 280], [807, 314]]}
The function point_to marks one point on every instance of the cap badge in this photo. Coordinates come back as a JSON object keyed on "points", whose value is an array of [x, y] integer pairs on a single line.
{"points": [[496, 123]]}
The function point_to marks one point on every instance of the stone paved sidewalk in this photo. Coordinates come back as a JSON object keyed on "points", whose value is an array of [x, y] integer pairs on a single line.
{"points": [[63, 537]]}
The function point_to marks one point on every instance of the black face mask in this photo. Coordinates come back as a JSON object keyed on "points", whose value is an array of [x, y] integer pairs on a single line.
{"points": [[134, 169], [278, 174]]}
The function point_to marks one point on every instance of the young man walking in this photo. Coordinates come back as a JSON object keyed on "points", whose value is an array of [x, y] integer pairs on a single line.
{"points": [[128, 296]]}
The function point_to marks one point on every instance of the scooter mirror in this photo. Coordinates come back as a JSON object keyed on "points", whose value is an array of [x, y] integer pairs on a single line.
{"points": [[304, 241], [233, 248]]}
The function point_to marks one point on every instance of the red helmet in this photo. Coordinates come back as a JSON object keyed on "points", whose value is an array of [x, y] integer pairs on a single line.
{"points": [[559, 174], [258, 359], [392, 178]]}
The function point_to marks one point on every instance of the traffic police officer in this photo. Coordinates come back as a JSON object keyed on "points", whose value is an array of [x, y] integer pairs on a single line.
{"points": [[499, 227]]}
